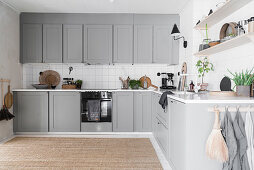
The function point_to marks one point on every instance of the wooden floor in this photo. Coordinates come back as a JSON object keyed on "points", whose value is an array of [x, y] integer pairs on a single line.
{"points": [[78, 153]]}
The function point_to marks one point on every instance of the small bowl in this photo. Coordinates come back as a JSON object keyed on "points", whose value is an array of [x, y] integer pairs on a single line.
{"points": [[40, 86]]}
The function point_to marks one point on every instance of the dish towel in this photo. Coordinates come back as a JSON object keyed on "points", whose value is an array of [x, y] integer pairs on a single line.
{"points": [[241, 160], [230, 139], [164, 99], [94, 109], [249, 136]]}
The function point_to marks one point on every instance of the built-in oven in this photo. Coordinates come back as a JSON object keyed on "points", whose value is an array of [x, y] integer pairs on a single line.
{"points": [[96, 111]]}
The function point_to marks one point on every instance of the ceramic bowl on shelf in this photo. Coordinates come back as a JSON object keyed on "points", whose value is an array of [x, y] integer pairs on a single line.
{"points": [[40, 86]]}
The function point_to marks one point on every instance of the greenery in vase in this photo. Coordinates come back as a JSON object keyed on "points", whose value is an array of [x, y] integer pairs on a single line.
{"points": [[242, 78], [79, 82], [134, 84], [204, 66]]}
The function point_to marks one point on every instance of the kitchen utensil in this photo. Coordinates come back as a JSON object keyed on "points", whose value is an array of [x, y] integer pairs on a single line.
{"points": [[225, 84], [228, 29], [125, 83], [251, 24], [4, 112], [216, 147], [40, 86], [49, 77], [184, 71], [149, 82], [222, 93], [8, 98]]}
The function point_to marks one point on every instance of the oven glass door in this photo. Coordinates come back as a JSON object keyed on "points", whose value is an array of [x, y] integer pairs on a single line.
{"points": [[106, 109]]}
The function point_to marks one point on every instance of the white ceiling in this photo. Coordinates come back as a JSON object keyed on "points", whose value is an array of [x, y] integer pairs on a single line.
{"points": [[98, 6]]}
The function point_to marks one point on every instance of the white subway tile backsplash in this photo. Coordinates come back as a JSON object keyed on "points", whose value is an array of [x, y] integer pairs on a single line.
{"points": [[96, 76]]}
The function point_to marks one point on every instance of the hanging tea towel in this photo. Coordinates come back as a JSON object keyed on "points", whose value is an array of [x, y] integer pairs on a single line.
{"points": [[229, 136], [241, 160], [250, 136]]}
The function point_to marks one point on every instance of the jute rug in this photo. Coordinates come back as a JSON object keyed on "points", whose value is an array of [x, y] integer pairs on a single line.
{"points": [[78, 153]]}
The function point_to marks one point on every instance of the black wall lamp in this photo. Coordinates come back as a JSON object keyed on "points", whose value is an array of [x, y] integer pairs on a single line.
{"points": [[176, 34]]}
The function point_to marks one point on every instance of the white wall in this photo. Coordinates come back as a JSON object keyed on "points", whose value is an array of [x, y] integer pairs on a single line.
{"points": [[96, 76], [235, 59], [9, 58]]}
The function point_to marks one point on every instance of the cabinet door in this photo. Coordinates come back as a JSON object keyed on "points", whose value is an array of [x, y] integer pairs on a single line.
{"points": [[64, 112], [154, 111], [163, 45], [72, 43], [52, 43], [142, 112], [31, 43], [162, 136], [123, 44], [143, 44], [123, 111], [98, 44], [31, 111]]}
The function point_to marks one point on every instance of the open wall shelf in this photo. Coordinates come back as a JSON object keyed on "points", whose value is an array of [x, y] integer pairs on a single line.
{"points": [[228, 8], [235, 42]]}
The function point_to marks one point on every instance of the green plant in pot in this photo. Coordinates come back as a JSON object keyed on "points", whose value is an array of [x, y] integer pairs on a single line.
{"points": [[243, 81], [204, 67], [79, 84], [134, 84]]}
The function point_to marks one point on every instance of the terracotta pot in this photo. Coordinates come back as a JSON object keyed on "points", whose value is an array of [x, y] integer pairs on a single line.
{"points": [[203, 86], [243, 91]]}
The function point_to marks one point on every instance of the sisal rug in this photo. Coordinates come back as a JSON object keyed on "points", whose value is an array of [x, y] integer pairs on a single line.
{"points": [[78, 153]]}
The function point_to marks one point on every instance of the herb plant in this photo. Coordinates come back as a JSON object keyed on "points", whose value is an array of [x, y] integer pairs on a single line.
{"points": [[243, 78], [134, 84], [204, 66]]}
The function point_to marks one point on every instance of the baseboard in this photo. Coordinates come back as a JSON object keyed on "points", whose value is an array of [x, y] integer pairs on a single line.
{"points": [[7, 139]]}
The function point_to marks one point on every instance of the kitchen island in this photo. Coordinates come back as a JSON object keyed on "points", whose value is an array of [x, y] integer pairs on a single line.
{"points": [[181, 130]]}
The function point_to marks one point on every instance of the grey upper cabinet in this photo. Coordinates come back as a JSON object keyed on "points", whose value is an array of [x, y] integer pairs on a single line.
{"points": [[98, 47], [123, 111], [72, 43], [31, 43], [31, 111], [52, 43], [163, 45], [123, 44], [142, 112], [64, 111], [143, 43]]}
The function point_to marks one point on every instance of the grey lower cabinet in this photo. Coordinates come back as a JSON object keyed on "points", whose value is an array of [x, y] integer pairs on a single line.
{"points": [[98, 44], [31, 43], [64, 111], [143, 44], [123, 111], [142, 112], [72, 43], [163, 45], [123, 44], [52, 43], [31, 111]]}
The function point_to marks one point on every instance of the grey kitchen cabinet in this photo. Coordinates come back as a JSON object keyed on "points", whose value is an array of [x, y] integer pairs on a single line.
{"points": [[64, 111], [123, 111], [98, 44], [163, 45], [142, 112], [52, 43], [123, 44], [31, 43], [143, 44], [72, 43], [31, 111], [161, 135]]}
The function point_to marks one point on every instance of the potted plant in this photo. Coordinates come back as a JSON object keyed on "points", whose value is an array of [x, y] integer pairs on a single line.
{"points": [[243, 81], [78, 84], [134, 84], [204, 66]]}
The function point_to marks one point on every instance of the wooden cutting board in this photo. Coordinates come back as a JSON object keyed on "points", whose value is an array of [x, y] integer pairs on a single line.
{"points": [[8, 98], [149, 82]]}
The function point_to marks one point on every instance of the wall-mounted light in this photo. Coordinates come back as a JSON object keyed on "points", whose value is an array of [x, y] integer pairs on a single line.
{"points": [[176, 34]]}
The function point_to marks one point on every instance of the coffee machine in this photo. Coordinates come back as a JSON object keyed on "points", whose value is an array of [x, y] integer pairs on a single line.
{"points": [[167, 81]]}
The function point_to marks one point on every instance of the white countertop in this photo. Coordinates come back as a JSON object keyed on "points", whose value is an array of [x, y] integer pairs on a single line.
{"points": [[179, 96]]}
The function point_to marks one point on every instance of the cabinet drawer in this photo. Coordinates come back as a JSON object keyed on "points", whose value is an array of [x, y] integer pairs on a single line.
{"points": [[161, 112], [162, 136]]}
